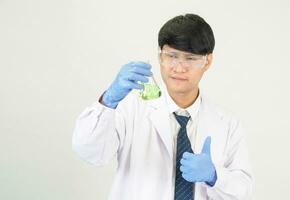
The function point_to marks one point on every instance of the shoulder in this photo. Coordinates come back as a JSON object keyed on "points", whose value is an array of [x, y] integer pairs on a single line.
{"points": [[219, 112], [222, 117]]}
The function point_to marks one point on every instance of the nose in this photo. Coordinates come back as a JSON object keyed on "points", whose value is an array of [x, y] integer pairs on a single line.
{"points": [[179, 67]]}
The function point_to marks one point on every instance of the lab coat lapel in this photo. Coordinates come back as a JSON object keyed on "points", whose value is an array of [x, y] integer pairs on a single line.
{"points": [[209, 123], [161, 121], [203, 129]]}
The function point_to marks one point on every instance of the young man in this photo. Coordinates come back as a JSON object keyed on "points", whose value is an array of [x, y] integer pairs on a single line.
{"points": [[178, 146]]}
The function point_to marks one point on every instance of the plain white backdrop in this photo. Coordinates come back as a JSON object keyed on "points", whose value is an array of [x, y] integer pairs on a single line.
{"points": [[58, 56]]}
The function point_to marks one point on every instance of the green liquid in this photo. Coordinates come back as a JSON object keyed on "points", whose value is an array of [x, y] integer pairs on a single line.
{"points": [[150, 91]]}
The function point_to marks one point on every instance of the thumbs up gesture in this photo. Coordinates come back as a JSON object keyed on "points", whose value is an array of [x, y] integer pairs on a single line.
{"points": [[199, 167]]}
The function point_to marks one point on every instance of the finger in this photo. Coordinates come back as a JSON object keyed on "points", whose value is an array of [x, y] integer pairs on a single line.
{"points": [[141, 64], [185, 162], [185, 169], [206, 146], [132, 85], [187, 155], [187, 177], [137, 77], [141, 71]]}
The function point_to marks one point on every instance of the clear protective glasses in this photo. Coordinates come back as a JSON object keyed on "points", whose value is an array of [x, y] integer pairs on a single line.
{"points": [[187, 60]]}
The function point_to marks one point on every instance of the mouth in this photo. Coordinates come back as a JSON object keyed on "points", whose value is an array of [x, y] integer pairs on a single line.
{"points": [[176, 78]]}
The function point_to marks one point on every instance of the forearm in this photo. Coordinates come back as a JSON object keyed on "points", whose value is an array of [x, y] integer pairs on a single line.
{"points": [[234, 177], [235, 184], [95, 138]]}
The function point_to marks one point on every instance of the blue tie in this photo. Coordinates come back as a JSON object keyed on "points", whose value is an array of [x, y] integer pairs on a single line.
{"points": [[184, 190]]}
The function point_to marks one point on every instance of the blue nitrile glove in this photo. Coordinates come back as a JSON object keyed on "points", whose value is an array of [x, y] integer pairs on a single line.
{"points": [[125, 81], [199, 167]]}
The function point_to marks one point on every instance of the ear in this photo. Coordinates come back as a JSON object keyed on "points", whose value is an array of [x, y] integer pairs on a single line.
{"points": [[159, 52], [209, 59]]}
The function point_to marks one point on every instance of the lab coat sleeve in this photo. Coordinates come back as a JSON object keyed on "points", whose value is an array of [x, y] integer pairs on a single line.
{"points": [[98, 134], [234, 179]]}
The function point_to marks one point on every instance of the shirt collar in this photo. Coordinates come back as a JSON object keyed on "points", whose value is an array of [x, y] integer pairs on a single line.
{"points": [[192, 110]]}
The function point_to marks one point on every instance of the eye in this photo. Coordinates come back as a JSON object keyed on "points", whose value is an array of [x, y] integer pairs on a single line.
{"points": [[171, 55], [192, 58]]}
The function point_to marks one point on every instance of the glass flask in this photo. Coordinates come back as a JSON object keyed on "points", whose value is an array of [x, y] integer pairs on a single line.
{"points": [[151, 89]]}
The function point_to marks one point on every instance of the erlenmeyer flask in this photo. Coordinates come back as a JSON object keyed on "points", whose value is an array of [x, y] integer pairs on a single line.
{"points": [[151, 90]]}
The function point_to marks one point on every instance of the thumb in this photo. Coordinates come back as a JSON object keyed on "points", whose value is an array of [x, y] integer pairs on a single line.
{"points": [[206, 146]]}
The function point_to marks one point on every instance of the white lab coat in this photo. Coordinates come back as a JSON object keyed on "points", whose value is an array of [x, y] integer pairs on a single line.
{"points": [[138, 133]]}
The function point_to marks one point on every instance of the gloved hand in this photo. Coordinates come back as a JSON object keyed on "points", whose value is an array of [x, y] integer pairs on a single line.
{"points": [[125, 81], [199, 167]]}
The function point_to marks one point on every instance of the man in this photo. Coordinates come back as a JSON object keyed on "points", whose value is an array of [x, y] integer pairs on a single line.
{"points": [[178, 146]]}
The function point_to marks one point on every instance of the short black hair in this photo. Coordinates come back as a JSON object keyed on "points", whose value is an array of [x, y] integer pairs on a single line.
{"points": [[189, 32]]}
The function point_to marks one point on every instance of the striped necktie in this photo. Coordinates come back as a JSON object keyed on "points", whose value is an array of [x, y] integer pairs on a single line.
{"points": [[184, 190]]}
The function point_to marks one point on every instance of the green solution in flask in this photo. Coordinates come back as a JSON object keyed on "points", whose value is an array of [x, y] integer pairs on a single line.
{"points": [[150, 90]]}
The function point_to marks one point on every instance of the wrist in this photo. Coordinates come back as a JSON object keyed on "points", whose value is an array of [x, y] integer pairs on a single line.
{"points": [[108, 101], [213, 179]]}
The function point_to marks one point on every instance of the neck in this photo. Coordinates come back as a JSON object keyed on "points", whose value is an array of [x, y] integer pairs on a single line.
{"points": [[184, 100]]}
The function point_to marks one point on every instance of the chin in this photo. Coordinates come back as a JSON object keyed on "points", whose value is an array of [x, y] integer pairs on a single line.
{"points": [[177, 89]]}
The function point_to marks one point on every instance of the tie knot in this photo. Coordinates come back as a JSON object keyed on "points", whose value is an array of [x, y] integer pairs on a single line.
{"points": [[182, 120]]}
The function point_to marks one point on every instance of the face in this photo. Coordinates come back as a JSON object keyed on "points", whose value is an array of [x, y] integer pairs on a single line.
{"points": [[181, 71]]}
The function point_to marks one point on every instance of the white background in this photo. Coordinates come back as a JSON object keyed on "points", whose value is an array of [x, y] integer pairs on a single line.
{"points": [[58, 56]]}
